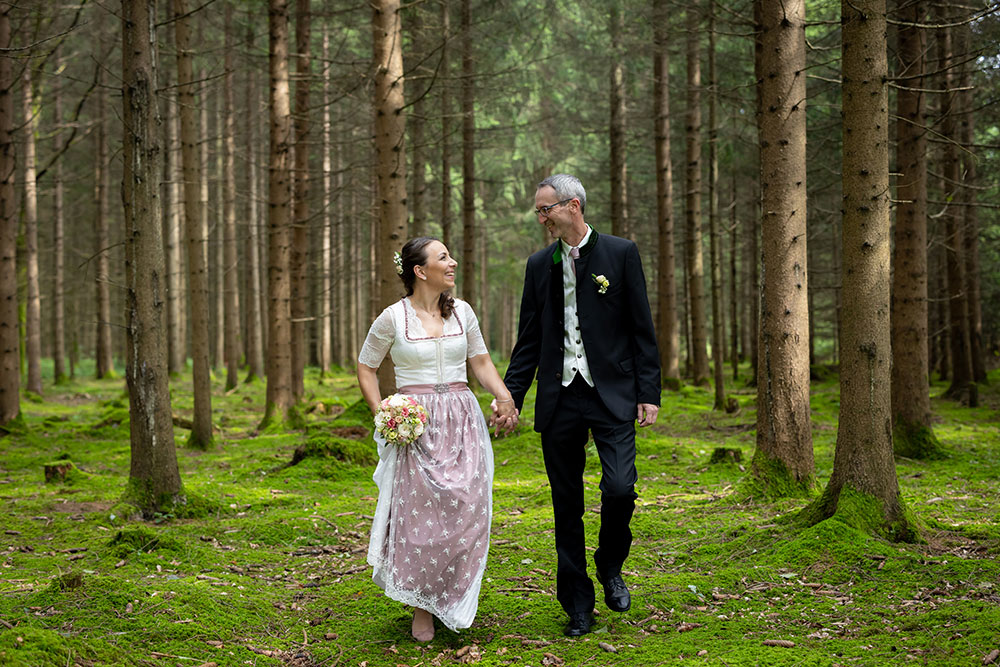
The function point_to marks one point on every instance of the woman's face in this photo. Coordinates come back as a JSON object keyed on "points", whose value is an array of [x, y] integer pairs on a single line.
{"points": [[439, 268]]}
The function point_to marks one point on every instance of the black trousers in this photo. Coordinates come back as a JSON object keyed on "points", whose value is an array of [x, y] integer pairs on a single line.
{"points": [[564, 441]]}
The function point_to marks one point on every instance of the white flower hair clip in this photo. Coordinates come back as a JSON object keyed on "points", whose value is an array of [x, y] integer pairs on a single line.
{"points": [[397, 259]]}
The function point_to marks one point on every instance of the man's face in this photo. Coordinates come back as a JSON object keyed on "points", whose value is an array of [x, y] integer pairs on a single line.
{"points": [[559, 218]]}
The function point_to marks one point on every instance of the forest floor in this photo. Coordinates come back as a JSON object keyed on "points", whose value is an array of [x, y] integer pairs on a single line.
{"points": [[267, 564]]}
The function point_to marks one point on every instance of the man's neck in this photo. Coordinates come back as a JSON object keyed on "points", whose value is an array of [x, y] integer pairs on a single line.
{"points": [[576, 235]]}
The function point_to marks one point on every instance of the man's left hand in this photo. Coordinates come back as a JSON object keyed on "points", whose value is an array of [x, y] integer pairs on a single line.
{"points": [[647, 414]]}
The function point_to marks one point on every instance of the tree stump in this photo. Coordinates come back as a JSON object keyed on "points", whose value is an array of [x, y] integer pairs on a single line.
{"points": [[58, 471], [724, 454]]}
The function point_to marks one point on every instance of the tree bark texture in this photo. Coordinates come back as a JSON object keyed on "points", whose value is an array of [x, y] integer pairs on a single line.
{"points": [[784, 435], [173, 248], [58, 252], [416, 123], [668, 328], [102, 184], [714, 224], [445, 87], [618, 161], [10, 372], [300, 197], [231, 273], [153, 473], [201, 433], [692, 204], [33, 303], [911, 406], [279, 401], [327, 302], [863, 466], [468, 158], [254, 321]]}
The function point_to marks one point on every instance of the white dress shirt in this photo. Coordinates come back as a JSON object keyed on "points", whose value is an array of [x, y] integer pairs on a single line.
{"points": [[575, 356]]}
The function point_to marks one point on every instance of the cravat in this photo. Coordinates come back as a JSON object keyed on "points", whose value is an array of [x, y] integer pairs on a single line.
{"points": [[574, 253]]}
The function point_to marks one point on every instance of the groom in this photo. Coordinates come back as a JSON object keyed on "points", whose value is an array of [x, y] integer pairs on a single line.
{"points": [[585, 326]]}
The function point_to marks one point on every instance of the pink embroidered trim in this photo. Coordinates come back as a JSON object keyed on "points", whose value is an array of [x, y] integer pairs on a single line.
{"points": [[406, 326]]}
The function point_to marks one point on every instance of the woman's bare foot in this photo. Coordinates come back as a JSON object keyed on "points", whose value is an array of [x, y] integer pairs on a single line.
{"points": [[423, 625]]}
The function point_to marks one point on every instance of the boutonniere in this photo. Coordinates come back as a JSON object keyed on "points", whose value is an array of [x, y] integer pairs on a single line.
{"points": [[601, 282]]}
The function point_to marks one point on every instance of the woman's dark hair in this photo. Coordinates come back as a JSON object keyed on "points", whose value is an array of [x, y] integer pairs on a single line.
{"points": [[414, 253]]}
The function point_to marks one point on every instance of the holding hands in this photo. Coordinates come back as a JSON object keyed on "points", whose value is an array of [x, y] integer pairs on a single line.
{"points": [[504, 417]]}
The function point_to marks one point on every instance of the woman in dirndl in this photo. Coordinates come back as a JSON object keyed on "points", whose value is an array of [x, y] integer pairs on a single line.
{"points": [[430, 535]]}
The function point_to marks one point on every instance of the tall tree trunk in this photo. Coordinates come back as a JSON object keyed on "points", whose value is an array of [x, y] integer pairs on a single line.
{"points": [[201, 431], [416, 123], [341, 251], [911, 406], [232, 272], [10, 374], [468, 158], [102, 167], [255, 323], [958, 306], [445, 103], [863, 487], [754, 289], [172, 246], [300, 197], [390, 129], [280, 397], [692, 203], [327, 304], [58, 250], [734, 315], [33, 304], [783, 461], [619, 165], [715, 233], [154, 479], [970, 210], [668, 328]]}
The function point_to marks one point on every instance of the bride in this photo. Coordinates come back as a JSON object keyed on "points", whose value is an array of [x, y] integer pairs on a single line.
{"points": [[431, 530]]}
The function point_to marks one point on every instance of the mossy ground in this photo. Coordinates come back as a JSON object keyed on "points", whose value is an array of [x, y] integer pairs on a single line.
{"points": [[271, 568]]}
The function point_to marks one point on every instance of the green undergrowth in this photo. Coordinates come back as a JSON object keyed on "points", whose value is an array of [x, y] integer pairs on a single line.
{"points": [[264, 562]]}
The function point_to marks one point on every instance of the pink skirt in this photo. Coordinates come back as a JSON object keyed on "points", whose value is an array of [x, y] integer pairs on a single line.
{"points": [[431, 531]]}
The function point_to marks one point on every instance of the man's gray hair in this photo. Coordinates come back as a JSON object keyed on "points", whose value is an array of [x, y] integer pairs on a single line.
{"points": [[566, 186]]}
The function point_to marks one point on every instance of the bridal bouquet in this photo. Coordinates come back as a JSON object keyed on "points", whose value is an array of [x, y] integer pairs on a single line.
{"points": [[400, 419]]}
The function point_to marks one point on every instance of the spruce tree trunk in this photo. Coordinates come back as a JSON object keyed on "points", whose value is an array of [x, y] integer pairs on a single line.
{"points": [[863, 487], [618, 161], [33, 304], [734, 285], [445, 104], [172, 211], [468, 287], [154, 480], [692, 205], [715, 233], [103, 356], [783, 461], [327, 307], [280, 398], [416, 123], [668, 328], [958, 306], [58, 252], [10, 373], [390, 129], [255, 321], [300, 227], [231, 263], [970, 210], [911, 405], [201, 431]]}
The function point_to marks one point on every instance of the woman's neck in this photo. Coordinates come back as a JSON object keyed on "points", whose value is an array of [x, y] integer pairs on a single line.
{"points": [[425, 299]]}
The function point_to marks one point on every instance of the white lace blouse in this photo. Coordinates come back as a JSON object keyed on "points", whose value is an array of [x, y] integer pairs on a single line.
{"points": [[419, 358]]}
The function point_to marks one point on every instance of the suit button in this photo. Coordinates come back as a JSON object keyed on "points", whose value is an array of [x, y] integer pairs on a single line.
{"points": [[559, 376]]}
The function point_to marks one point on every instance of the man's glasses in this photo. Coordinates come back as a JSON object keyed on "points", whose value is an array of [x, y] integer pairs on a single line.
{"points": [[544, 210]]}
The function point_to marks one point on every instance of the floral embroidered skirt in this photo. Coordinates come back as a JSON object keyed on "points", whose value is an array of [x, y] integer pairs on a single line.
{"points": [[431, 531]]}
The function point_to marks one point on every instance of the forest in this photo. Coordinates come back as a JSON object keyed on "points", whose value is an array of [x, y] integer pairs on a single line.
{"points": [[199, 205]]}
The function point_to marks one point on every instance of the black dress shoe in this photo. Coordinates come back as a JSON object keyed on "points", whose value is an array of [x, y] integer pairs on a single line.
{"points": [[616, 594], [579, 624]]}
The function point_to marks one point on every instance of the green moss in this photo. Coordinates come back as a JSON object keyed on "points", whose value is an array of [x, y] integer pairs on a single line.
{"points": [[141, 539], [862, 512], [916, 441], [770, 479]]}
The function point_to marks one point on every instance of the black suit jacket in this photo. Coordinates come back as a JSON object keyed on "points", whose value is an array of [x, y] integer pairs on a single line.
{"points": [[617, 329]]}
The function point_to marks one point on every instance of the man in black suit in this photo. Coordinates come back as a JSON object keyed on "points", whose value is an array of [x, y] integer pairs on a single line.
{"points": [[586, 327]]}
